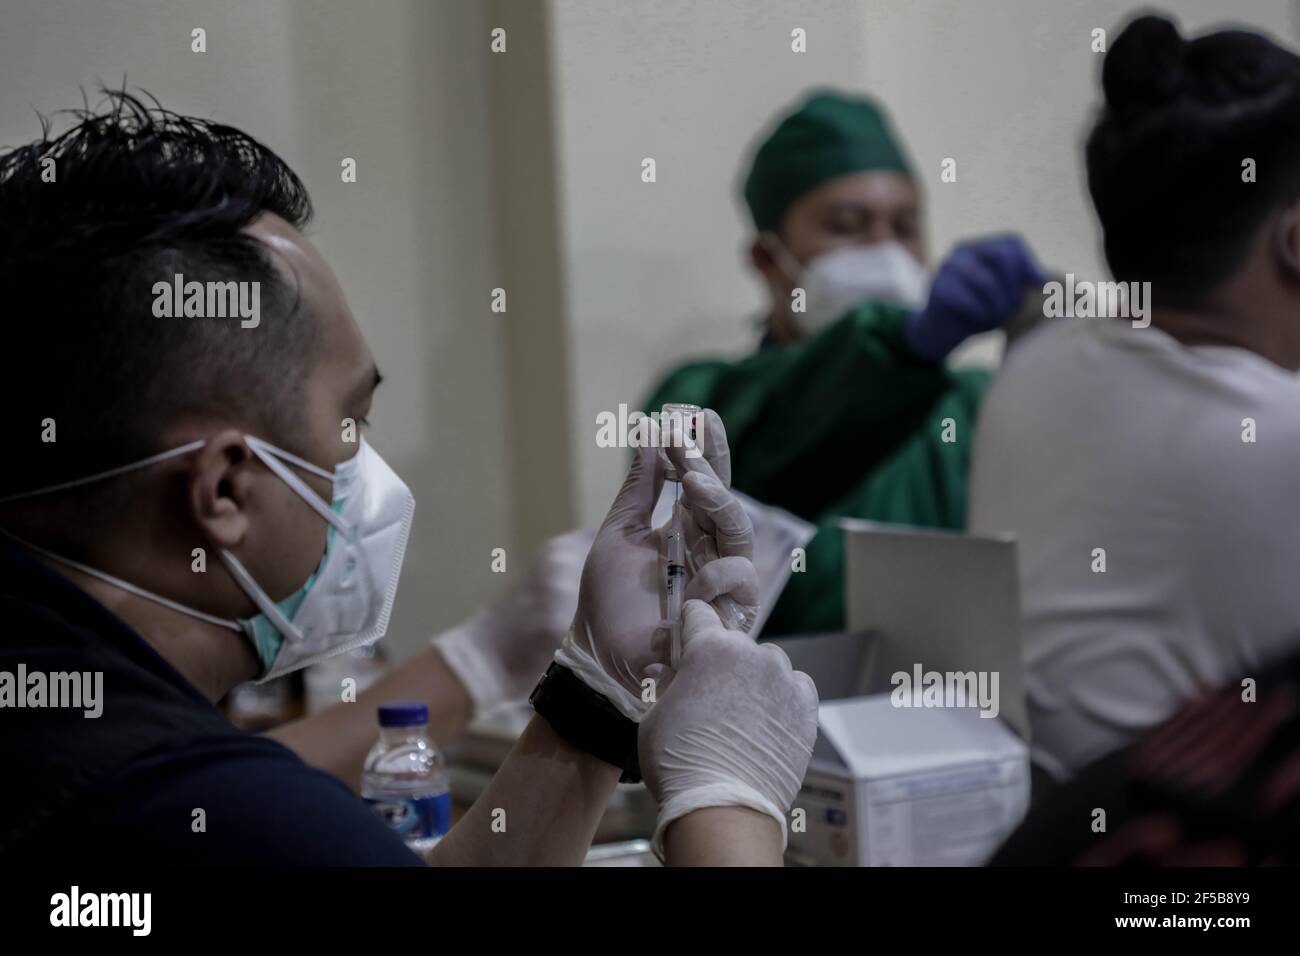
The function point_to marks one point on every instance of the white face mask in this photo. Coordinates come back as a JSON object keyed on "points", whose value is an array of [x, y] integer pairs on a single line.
{"points": [[347, 601], [837, 282]]}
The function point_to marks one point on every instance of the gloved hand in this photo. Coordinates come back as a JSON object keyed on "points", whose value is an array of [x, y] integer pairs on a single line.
{"points": [[978, 287], [718, 545], [499, 653], [620, 627], [733, 726]]}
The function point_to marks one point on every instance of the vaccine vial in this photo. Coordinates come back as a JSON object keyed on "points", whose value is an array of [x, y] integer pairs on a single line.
{"points": [[681, 424]]}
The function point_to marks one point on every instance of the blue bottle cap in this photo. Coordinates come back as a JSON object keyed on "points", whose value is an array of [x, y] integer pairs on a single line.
{"points": [[405, 713]]}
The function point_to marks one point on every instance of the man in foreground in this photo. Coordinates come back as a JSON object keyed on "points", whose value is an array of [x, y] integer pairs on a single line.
{"points": [[187, 509]]}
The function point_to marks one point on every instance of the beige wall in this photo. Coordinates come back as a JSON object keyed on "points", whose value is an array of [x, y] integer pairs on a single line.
{"points": [[400, 86], [537, 365], [655, 272]]}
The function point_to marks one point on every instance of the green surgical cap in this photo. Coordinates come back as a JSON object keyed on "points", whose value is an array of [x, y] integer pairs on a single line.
{"points": [[830, 135]]}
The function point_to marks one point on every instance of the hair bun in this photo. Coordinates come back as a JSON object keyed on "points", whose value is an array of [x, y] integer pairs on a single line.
{"points": [[1145, 64]]}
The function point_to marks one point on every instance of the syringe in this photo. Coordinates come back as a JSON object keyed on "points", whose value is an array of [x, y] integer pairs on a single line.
{"points": [[673, 418], [676, 578]]}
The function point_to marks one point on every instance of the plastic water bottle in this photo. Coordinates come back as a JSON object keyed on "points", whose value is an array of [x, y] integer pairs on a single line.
{"points": [[405, 778]]}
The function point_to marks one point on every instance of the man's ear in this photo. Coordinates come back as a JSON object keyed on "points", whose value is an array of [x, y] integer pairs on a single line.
{"points": [[219, 488], [763, 259], [1287, 246]]}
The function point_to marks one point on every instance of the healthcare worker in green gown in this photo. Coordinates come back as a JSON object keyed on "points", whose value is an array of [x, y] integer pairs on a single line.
{"points": [[847, 408]]}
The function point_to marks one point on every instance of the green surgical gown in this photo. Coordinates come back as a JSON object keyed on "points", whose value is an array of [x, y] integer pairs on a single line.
{"points": [[847, 423]]}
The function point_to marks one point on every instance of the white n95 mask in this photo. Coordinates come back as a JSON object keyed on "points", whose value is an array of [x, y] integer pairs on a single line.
{"points": [[837, 282], [347, 601]]}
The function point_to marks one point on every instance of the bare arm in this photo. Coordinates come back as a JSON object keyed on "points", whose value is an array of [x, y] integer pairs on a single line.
{"points": [[337, 740], [723, 836], [540, 809]]}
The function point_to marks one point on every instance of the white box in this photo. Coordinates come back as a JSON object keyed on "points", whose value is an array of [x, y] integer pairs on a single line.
{"points": [[915, 786], [897, 786]]}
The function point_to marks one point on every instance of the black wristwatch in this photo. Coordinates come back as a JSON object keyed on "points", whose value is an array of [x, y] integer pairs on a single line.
{"points": [[587, 720]]}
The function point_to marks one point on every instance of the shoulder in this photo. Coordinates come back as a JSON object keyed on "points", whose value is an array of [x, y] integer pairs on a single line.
{"points": [[969, 384], [691, 383], [237, 800]]}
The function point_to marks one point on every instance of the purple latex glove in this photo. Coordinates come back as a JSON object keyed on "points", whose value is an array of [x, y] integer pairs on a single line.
{"points": [[979, 286]]}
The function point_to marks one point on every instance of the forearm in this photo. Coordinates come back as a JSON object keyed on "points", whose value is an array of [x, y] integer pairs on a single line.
{"points": [[540, 809], [337, 739], [723, 836], [853, 390]]}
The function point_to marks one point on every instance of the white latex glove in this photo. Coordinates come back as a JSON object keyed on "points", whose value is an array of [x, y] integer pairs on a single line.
{"points": [[620, 629], [734, 726], [499, 653], [719, 547], [711, 528]]}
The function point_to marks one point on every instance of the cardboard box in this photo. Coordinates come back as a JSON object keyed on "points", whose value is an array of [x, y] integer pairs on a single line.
{"points": [[893, 786]]}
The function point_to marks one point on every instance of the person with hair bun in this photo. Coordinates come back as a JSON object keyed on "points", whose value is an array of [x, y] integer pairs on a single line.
{"points": [[1151, 474]]}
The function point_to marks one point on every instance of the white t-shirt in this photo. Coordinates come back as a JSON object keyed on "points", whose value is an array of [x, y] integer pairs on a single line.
{"points": [[1099, 440]]}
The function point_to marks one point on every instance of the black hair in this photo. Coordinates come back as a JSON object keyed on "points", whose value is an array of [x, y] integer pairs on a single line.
{"points": [[134, 195], [1165, 159]]}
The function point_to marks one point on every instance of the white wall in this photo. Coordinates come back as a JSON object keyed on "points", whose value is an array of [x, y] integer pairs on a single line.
{"points": [[655, 272], [398, 85], [401, 86], [1009, 89]]}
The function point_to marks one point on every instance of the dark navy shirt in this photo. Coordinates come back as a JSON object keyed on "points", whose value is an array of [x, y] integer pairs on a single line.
{"points": [[126, 785]]}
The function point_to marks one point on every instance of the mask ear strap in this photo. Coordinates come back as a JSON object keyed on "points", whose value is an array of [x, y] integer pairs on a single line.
{"points": [[259, 596], [100, 476], [269, 456], [782, 256], [126, 585]]}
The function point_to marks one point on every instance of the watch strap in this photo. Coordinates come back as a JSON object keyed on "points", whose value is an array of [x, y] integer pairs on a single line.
{"points": [[587, 720]]}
